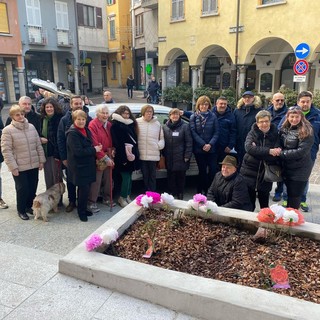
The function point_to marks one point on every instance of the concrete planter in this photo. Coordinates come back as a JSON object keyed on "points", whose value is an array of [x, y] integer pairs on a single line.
{"points": [[197, 296]]}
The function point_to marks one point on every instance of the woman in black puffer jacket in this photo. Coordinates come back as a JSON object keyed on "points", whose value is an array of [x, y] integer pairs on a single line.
{"points": [[296, 136], [177, 152], [262, 144]]}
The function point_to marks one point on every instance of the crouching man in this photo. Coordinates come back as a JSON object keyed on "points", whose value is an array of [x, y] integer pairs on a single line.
{"points": [[228, 188]]}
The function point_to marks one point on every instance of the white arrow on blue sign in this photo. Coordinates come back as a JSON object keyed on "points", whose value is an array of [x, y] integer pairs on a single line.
{"points": [[302, 50]]}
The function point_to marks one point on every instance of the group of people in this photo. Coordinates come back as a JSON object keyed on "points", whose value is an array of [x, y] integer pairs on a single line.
{"points": [[242, 142]]}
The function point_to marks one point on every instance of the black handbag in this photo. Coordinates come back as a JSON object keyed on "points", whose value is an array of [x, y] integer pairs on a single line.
{"points": [[272, 173]]}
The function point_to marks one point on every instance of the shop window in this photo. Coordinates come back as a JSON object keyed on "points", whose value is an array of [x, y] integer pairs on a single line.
{"points": [[226, 78], [266, 82]]}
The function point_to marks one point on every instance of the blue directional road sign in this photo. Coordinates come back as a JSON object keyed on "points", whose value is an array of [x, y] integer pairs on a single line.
{"points": [[302, 50]]}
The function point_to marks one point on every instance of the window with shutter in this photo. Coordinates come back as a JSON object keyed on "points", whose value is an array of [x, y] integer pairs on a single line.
{"points": [[270, 1], [62, 15], [99, 18], [33, 13], [177, 11], [111, 2], [80, 14], [4, 23], [209, 6], [112, 25]]}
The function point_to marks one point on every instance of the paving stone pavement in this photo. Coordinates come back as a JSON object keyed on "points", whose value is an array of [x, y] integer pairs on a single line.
{"points": [[32, 288]]}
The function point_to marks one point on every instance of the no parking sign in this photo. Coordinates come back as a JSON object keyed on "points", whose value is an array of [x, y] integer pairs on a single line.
{"points": [[301, 67]]}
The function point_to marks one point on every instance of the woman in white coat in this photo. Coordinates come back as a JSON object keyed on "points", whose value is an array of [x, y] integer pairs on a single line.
{"points": [[150, 142]]}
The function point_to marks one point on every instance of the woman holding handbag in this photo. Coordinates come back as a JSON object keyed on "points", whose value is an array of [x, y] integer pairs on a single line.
{"points": [[261, 146], [124, 139], [296, 137], [100, 133]]}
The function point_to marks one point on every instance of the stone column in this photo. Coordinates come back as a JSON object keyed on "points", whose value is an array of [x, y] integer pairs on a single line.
{"points": [[242, 78], [164, 81], [194, 81], [22, 83], [76, 80]]}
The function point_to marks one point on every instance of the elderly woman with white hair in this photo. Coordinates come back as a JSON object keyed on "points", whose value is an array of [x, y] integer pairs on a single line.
{"points": [[100, 131]]}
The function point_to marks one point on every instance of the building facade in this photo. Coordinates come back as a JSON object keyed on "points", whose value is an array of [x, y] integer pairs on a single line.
{"points": [[244, 44], [49, 42], [119, 56], [11, 60]]}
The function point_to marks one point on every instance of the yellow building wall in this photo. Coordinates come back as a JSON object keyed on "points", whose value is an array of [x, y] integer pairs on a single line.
{"points": [[120, 48], [294, 21]]}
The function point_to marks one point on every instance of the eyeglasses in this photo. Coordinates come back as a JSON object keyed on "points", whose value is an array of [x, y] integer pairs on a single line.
{"points": [[279, 100], [263, 121], [294, 108]]}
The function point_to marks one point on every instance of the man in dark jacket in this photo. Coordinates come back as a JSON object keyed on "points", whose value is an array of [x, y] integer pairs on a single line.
{"points": [[26, 104], [107, 96], [153, 88], [278, 110], [64, 126], [229, 188], [227, 128]]}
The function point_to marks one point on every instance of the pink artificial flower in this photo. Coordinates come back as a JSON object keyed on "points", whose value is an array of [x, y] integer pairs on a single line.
{"points": [[94, 242], [138, 199], [200, 198], [155, 196]]}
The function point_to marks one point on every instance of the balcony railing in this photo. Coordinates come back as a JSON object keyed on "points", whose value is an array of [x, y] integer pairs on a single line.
{"points": [[65, 38], [151, 4], [37, 35]]}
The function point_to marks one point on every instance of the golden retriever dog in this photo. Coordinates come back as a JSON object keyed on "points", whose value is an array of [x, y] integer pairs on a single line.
{"points": [[46, 201]]}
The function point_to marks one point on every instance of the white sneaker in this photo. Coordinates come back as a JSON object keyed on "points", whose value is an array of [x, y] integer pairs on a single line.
{"points": [[93, 208], [122, 202], [128, 199]]}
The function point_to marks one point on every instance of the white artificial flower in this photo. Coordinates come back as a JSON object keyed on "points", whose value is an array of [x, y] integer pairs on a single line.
{"points": [[109, 235], [167, 198], [212, 206], [290, 216], [278, 211], [193, 205], [145, 200]]}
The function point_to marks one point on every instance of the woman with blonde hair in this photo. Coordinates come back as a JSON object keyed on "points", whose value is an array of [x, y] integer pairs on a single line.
{"points": [[296, 138], [23, 154], [247, 108], [205, 132]]}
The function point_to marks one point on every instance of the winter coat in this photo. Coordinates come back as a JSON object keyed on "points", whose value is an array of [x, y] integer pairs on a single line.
{"points": [[64, 125], [21, 146], [52, 144], [123, 131], [295, 155], [153, 88], [178, 145], [227, 128], [208, 134], [32, 117], [101, 134], [81, 157], [257, 146], [230, 192], [150, 139], [277, 115], [245, 117], [130, 82]]}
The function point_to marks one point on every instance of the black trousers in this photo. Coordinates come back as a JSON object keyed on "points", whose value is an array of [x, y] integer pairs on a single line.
{"points": [[149, 171], [83, 195], [295, 191], [263, 197], [207, 165], [26, 184], [72, 193], [176, 182]]}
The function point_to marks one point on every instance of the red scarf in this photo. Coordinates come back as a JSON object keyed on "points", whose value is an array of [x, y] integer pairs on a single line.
{"points": [[82, 130]]}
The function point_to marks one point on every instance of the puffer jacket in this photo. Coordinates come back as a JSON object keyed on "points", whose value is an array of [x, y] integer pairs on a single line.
{"points": [[277, 115], [21, 146], [257, 146], [230, 192], [295, 155], [178, 145], [150, 139], [204, 134]]}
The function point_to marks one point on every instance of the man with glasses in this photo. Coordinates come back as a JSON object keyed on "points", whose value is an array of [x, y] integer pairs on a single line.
{"points": [[278, 110], [312, 114]]}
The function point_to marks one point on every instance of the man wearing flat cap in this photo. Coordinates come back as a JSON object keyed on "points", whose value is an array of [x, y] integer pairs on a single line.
{"points": [[229, 188]]}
